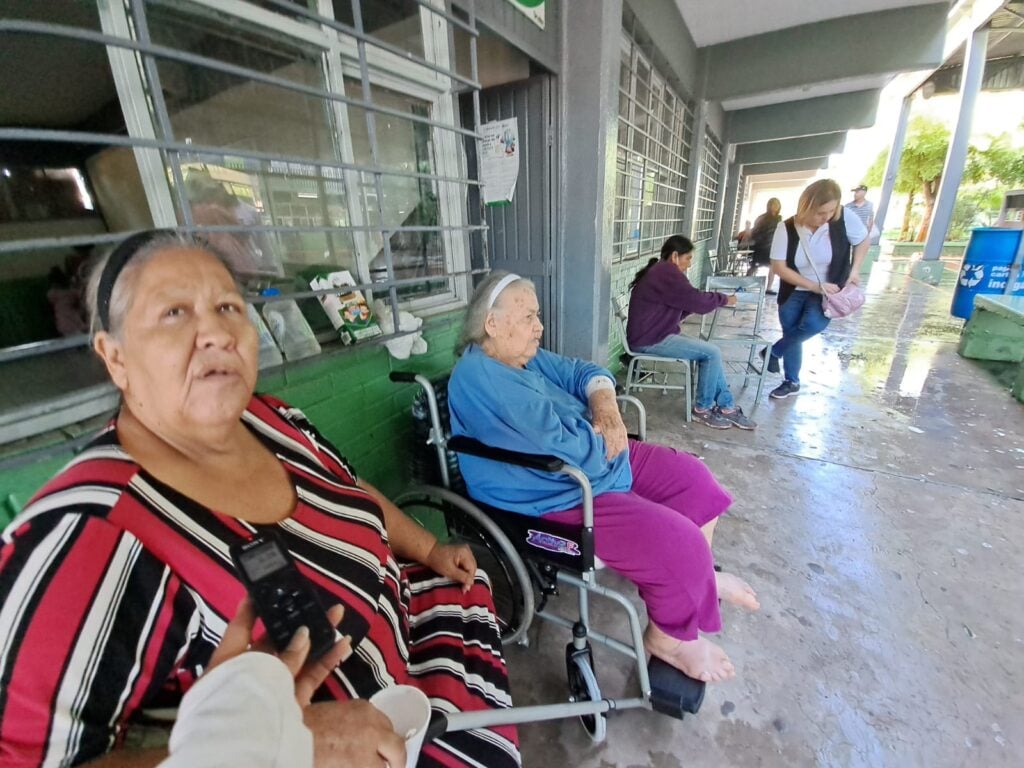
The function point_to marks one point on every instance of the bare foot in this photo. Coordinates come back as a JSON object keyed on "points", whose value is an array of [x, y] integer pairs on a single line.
{"points": [[735, 590], [700, 659]]}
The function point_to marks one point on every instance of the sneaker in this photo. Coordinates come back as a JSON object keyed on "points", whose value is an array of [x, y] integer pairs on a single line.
{"points": [[773, 361], [711, 418], [737, 418], [784, 390]]}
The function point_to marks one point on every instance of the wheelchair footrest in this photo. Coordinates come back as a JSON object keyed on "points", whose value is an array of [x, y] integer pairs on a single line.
{"points": [[672, 692]]}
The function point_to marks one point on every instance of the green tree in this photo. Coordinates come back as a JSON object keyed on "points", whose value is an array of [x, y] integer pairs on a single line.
{"points": [[1003, 162], [921, 165]]}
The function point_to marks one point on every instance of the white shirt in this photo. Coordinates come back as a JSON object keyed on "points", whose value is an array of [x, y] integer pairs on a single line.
{"points": [[820, 245], [243, 713]]}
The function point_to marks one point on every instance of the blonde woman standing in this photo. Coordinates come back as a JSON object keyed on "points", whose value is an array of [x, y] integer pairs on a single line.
{"points": [[822, 239]]}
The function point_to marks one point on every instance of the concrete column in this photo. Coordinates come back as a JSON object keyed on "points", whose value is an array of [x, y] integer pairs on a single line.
{"points": [[721, 204], [700, 121], [589, 112], [731, 200], [956, 157], [892, 167]]}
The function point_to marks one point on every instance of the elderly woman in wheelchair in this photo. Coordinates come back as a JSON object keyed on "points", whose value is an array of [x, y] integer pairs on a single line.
{"points": [[654, 508]]}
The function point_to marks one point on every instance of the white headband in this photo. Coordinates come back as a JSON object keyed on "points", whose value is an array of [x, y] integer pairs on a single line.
{"points": [[501, 286]]}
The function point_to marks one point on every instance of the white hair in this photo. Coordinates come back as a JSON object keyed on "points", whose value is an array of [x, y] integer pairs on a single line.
{"points": [[473, 331]]}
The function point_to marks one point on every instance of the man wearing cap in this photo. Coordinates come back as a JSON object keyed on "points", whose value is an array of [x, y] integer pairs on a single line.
{"points": [[864, 209]]}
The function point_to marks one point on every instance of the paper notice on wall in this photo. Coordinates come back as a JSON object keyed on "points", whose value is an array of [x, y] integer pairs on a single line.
{"points": [[499, 160]]}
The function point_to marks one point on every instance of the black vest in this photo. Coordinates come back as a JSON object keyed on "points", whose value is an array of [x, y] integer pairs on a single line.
{"points": [[842, 255]]}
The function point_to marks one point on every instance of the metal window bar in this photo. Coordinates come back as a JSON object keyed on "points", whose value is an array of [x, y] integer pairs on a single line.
{"points": [[708, 184], [36, 348], [371, 129], [171, 158], [171, 148], [172, 54], [636, 166], [110, 139], [378, 43], [69, 241], [678, 110]]}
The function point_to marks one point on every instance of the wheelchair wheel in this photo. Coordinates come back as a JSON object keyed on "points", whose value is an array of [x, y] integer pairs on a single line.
{"points": [[455, 520], [583, 687]]}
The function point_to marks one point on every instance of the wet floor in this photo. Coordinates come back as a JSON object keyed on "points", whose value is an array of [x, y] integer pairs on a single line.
{"points": [[880, 516]]}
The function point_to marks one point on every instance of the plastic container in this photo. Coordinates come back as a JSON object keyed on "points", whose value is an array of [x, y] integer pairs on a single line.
{"points": [[270, 355], [289, 328], [985, 268]]}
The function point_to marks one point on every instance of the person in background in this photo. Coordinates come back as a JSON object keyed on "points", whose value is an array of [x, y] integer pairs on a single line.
{"points": [[661, 296], [864, 209], [837, 242], [761, 240]]}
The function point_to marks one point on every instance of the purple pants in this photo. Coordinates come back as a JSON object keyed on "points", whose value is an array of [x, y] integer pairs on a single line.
{"points": [[651, 535]]}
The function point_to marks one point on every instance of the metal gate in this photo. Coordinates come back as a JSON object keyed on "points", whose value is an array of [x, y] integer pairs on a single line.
{"points": [[521, 236]]}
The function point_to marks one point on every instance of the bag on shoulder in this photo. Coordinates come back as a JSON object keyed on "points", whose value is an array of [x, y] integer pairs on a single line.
{"points": [[844, 302]]}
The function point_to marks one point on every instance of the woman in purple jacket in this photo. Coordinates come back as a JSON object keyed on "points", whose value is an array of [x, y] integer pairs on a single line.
{"points": [[660, 297]]}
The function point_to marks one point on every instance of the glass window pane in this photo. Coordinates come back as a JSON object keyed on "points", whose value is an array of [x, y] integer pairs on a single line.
{"points": [[402, 145], [394, 21], [207, 107]]}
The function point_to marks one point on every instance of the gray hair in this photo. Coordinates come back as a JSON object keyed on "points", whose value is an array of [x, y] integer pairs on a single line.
{"points": [[476, 313], [123, 292]]}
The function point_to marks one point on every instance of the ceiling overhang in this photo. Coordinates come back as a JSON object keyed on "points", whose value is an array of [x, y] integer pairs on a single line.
{"points": [[801, 148], [804, 117], [852, 53]]}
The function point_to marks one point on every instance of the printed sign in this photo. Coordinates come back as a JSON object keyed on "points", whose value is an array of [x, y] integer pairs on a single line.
{"points": [[499, 160], [534, 10]]}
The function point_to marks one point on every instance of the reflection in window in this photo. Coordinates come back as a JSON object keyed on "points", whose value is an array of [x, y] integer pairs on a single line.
{"points": [[402, 145], [216, 109], [394, 21]]}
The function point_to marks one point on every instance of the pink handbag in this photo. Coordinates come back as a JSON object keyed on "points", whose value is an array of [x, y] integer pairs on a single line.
{"points": [[845, 302]]}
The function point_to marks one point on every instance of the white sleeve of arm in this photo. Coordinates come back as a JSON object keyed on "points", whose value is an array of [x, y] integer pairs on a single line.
{"points": [[243, 712], [598, 383], [856, 232], [779, 242]]}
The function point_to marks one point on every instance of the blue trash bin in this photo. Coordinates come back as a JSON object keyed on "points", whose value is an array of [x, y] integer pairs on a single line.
{"points": [[985, 268]]}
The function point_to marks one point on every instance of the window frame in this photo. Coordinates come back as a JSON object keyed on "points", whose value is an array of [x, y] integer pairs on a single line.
{"points": [[158, 154], [708, 188], [653, 197]]}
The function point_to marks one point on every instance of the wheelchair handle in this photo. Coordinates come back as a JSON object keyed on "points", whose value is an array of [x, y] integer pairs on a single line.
{"points": [[403, 377], [472, 447]]}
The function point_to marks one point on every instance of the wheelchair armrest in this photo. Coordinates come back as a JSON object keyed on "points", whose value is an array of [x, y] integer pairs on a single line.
{"points": [[473, 447]]}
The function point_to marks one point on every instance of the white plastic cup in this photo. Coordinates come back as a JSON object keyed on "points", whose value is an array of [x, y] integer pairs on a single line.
{"points": [[408, 709]]}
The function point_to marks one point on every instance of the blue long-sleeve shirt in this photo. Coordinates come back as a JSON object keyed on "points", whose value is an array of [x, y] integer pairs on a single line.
{"points": [[538, 409]]}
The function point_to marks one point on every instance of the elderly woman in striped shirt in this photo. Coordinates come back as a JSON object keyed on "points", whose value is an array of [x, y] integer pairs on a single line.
{"points": [[115, 580]]}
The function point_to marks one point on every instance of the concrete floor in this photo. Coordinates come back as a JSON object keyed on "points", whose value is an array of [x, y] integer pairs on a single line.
{"points": [[880, 516]]}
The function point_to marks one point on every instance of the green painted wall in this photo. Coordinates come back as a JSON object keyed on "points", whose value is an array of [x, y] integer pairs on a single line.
{"points": [[346, 394]]}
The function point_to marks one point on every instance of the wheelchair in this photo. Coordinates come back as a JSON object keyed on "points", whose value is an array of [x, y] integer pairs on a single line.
{"points": [[528, 559]]}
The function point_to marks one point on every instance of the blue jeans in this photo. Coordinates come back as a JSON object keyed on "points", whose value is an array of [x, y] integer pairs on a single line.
{"points": [[802, 318], [712, 388]]}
